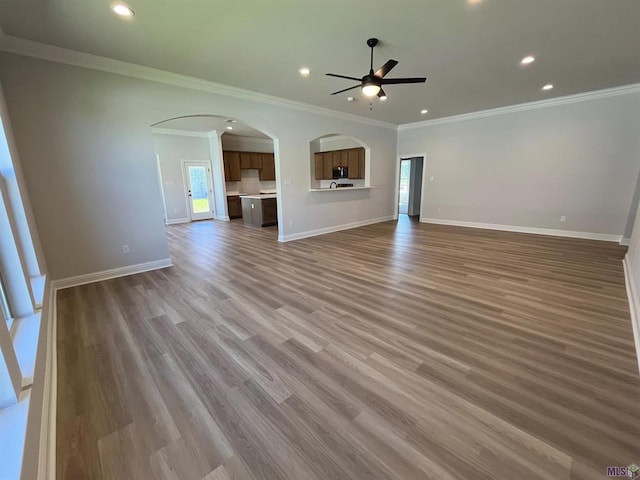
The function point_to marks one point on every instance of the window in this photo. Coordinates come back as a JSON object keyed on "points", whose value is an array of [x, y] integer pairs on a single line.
{"points": [[4, 304]]}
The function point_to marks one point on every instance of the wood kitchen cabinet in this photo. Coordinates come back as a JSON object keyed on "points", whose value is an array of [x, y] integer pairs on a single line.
{"points": [[319, 159], [234, 162], [352, 158], [234, 206], [267, 166], [327, 165], [355, 163], [231, 161], [250, 160]]}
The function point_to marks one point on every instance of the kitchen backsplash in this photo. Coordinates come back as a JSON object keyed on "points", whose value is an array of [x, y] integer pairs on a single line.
{"points": [[251, 184]]}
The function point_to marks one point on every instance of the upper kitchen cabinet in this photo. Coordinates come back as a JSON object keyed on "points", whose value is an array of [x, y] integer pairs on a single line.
{"points": [[350, 158], [231, 161], [267, 166], [355, 162], [234, 162], [250, 160], [324, 165]]}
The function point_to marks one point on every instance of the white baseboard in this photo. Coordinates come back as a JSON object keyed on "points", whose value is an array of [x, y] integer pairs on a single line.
{"points": [[224, 218], [516, 228], [174, 221], [625, 241], [634, 305], [334, 228], [112, 273]]}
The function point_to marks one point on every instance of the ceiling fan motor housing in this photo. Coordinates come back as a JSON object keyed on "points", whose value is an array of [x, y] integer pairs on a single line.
{"points": [[371, 84]]}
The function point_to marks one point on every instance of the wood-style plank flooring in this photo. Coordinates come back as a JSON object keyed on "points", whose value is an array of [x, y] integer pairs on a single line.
{"points": [[392, 351]]}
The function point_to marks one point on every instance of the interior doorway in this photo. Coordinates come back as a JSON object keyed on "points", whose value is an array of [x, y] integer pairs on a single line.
{"points": [[197, 175], [410, 188]]}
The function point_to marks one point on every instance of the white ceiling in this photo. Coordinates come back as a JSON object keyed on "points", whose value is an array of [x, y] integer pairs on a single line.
{"points": [[208, 123], [469, 49]]}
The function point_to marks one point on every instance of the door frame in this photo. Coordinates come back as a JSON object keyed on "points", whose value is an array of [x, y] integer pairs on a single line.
{"points": [[185, 184], [396, 197]]}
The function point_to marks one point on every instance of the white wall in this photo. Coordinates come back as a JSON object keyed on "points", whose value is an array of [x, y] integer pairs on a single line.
{"points": [[632, 279], [239, 143], [171, 150], [88, 158], [337, 142], [529, 168], [633, 253]]}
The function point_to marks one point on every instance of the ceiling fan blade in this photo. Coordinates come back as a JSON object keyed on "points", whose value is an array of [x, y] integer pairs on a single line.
{"points": [[381, 93], [394, 81], [386, 68], [343, 76], [345, 90]]}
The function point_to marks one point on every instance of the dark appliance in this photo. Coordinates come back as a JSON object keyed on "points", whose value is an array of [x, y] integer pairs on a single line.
{"points": [[341, 172]]}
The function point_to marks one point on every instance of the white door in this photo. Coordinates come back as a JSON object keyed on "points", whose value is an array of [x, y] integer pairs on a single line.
{"points": [[199, 191]]}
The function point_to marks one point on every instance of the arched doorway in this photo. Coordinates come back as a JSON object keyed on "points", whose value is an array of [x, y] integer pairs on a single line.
{"points": [[208, 166]]}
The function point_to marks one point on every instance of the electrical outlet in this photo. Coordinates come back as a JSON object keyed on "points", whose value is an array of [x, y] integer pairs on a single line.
{"points": [[125, 248], [431, 179], [291, 223], [563, 218]]}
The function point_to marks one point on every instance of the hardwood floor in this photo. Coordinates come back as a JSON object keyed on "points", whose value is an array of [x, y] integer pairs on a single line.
{"points": [[392, 351]]}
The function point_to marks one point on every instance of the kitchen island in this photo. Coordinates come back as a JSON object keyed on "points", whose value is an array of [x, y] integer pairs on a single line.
{"points": [[260, 210]]}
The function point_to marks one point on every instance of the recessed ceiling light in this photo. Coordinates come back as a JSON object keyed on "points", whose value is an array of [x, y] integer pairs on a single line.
{"points": [[229, 127], [548, 86], [527, 60], [123, 10], [351, 99], [305, 72], [424, 111]]}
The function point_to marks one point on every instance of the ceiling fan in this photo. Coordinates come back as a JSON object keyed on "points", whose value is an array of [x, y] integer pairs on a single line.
{"points": [[372, 83]]}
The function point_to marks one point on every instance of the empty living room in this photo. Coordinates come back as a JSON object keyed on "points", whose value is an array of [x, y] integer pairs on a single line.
{"points": [[319, 240]]}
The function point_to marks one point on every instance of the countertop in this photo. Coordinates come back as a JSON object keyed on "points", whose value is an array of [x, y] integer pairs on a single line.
{"points": [[341, 189], [259, 197]]}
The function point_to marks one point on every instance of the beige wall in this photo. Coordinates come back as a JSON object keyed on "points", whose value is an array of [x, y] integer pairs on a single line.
{"points": [[529, 168], [87, 151], [171, 150]]}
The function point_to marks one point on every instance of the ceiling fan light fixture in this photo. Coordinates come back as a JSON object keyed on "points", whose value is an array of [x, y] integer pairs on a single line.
{"points": [[122, 10], [370, 89], [383, 98]]}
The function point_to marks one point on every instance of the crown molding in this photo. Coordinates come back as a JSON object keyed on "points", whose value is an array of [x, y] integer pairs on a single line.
{"points": [[180, 133], [522, 107], [42, 51]]}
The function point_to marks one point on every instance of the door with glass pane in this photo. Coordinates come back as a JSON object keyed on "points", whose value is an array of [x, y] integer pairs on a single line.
{"points": [[199, 191]]}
